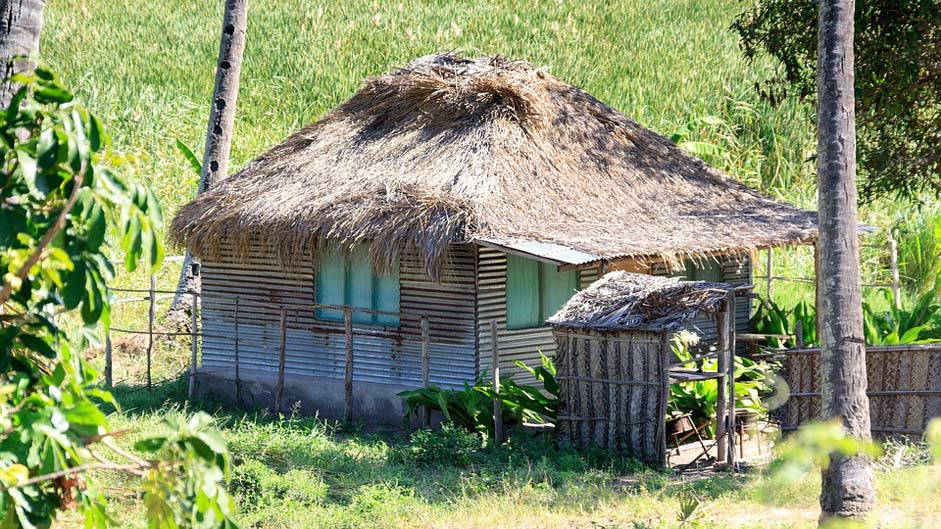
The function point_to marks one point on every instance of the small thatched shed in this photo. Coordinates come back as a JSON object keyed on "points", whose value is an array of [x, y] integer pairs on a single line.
{"points": [[614, 358], [463, 190]]}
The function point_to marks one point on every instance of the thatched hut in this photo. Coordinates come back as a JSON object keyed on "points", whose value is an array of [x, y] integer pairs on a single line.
{"points": [[465, 190], [615, 362]]}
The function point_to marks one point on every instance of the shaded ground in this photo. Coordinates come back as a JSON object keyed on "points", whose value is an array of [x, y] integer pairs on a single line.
{"points": [[301, 473]]}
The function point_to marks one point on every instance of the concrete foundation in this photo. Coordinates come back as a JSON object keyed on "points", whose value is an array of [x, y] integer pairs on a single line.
{"points": [[374, 404]]}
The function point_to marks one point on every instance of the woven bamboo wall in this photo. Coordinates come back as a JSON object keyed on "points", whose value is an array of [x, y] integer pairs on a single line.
{"points": [[613, 390], [904, 387]]}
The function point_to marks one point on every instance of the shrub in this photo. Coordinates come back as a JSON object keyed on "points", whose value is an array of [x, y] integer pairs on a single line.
{"points": [[450, 445], [472, 407], [467, 408]]}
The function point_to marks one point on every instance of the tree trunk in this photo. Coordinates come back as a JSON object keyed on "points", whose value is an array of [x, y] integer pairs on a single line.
{"points": [[20, 25], [848, 489], [218, 134]]}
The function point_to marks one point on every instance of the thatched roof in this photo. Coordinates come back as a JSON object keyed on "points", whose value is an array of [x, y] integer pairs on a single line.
{"points": [[623, 301], [455, 150]]}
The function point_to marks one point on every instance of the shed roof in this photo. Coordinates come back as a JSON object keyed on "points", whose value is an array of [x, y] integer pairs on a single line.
{"points": [[625, 301], [449, 150]]}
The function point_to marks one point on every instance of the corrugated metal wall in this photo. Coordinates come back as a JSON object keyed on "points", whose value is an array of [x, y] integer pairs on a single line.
{"points": [[460, 307], [317, 348], [514, 345], [736, 270]]}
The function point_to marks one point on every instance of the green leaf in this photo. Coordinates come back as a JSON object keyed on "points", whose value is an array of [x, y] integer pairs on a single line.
{"points": [[152, 444], [51, 95], [190, 157]]}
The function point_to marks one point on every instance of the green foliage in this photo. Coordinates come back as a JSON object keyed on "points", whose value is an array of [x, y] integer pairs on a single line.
{"points": [[58, 199], [919, 324], [812, 446], [472, 407], [919, 249], [901, 326], [468, 408], [898, 82], [526, 403], [450, 445], [770, 318], [699, 398]]}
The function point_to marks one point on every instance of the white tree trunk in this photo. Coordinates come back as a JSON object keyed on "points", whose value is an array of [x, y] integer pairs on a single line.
{"points": [[20, 26], [848, 489], [218, 133]]}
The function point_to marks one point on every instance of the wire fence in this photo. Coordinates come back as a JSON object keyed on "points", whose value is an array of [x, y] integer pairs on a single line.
{"points": [[890, 247]]}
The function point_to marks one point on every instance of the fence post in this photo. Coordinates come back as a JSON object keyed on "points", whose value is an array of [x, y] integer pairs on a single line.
{"points": [[109, 362], [799, 334], [722, 339], [770, 290], [348, 375], [279, 394], [238, 378], [894, 265], [194, 344], [425, 360], [730, 339], [495, 365], [151, 316]]}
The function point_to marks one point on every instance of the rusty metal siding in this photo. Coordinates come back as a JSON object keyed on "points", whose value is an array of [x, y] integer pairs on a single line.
{"points": [[521, 345], [317, 348]]}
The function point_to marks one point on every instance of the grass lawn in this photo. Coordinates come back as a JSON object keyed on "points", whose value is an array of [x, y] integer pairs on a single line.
{"points": [[147, 69], [302, 473]]}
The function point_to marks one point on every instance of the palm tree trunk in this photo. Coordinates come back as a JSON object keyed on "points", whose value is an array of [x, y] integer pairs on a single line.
{"points": [[218, 133], [20, 26], [848, 489]]}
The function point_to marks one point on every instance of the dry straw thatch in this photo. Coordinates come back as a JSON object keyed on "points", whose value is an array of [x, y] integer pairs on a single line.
{"points": [[622, 300], [450, 150]]}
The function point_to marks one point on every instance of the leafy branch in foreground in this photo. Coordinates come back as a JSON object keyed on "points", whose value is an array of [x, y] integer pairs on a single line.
{"points": [[58, 200]]}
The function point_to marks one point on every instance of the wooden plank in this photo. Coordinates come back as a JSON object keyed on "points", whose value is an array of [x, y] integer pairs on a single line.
{"points": [[348, 372], [495, 365], [194, 344], [722, 330], [425, 360], [665, 352], [279, 392], [238, 377]]}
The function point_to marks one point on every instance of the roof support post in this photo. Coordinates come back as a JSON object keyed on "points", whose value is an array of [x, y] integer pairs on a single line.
{"points": [[722, 396]]}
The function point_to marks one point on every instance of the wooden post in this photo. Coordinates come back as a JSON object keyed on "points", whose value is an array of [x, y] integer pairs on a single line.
{"points": [[818, 301], [894, 265], [194, 344], [799, 334], [722, 342], [279, 393], [348, 376], [495, 365], [238, 377], [109, 362], [665, 356], [770, 276], [425, 361], [730, 337], [151, 316]]}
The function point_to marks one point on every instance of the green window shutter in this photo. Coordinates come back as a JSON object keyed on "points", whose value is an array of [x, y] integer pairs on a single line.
{"points": [[555, 289], [522, 293], [360, 285], [386, 297], [353, 282], [331, 285]]}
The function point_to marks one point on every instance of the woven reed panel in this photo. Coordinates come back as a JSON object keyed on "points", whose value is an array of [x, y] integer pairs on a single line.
{"points": [[904, 387], [611, 392]]}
